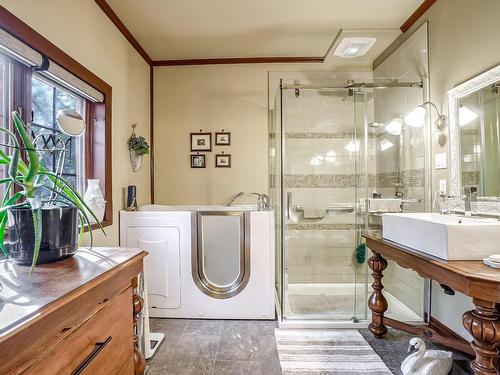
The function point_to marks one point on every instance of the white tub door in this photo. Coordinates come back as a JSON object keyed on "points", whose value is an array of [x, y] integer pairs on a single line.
{"points": [[162, 265]]}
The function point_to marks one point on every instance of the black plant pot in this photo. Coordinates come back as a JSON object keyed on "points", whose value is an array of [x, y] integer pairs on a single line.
{"points": [[59, 234]]}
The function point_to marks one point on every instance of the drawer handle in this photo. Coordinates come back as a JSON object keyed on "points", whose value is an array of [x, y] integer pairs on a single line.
{"points": [[99, 346]]}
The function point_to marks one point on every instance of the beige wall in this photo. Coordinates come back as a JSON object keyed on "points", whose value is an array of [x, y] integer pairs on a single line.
{"points": [[82, 30], [212, 98], [463, 40], [230, 97]]}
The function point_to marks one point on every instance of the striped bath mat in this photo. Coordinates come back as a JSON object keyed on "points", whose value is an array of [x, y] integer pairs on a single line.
{"points": [[327, 351]]}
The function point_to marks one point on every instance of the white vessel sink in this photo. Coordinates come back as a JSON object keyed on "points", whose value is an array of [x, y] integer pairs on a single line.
{"points": [[448, 237]]}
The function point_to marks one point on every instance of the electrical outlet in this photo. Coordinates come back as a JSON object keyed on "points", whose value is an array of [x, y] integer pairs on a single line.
{"points": [[440, 160], [442, 186]]}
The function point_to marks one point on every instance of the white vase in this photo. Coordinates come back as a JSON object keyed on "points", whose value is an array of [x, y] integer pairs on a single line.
{"points": [[95, 200], [135, 161]]}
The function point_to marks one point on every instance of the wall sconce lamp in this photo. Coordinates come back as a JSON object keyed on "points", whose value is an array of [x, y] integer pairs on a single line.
{"points": [[416, 118]]}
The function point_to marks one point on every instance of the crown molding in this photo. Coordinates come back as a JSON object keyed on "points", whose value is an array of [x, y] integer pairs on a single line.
{"points": [[113, 17], [241, 60], [424, 7]]}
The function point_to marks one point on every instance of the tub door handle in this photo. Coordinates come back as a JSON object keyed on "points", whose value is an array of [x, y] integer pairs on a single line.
{"points": [[289, 205]]}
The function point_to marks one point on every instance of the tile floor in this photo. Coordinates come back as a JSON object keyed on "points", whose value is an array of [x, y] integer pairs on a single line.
{"points": [[215, 347], [235, 347]]}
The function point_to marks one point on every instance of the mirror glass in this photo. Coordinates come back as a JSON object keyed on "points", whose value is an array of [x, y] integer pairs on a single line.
{"points": [[222, 249], [479, 129], [71, 122]]}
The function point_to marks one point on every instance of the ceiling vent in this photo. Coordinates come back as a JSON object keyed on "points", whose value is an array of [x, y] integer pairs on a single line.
{"points": [[354, 47]]}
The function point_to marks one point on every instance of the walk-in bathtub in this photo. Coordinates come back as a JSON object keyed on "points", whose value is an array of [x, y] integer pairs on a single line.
{"points": [[205, 261]]}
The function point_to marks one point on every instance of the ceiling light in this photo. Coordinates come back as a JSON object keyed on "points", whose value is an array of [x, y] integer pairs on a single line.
{"points": [[465, 115], [385, 144], [354, 47], [394, 127], [352, 146], [416, 118]]}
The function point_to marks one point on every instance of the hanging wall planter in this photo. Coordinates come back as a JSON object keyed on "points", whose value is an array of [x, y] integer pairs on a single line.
{"points": [[137, 147]]}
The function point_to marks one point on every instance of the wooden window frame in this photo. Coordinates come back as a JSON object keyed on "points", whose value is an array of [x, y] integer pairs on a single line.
{"points": [[98, 115]]}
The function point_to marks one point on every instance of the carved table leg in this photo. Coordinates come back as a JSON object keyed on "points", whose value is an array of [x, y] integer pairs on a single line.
{"points": [[138, 303], [483, 323], [377, 301]]}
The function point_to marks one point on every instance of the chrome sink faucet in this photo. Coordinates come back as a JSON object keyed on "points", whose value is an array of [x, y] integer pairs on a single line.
{"points": [[470, 195]]}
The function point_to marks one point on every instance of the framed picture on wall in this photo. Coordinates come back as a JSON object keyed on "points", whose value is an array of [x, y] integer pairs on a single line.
{"points": [[222, 138], [198, 161], [223, 161], [201, 141]]}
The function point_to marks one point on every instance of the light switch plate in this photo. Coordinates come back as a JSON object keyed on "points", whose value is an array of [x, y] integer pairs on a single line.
{"points": [[442, 186], [440, 160]]}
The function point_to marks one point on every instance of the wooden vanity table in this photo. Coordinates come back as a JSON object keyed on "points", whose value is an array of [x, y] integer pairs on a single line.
{"points": [[471, 278], [76, 316]]}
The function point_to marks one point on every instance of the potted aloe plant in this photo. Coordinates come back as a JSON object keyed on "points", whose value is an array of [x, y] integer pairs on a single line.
{"points": [[40, 228]]}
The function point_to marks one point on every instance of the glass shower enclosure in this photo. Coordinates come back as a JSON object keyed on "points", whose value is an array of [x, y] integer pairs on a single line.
{"points": [[325, 148]]}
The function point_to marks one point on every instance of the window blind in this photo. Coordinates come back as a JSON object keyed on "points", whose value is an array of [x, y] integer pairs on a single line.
{"points": [[20, 51]]}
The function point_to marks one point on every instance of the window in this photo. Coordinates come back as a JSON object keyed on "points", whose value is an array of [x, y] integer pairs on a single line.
{"points": [[47, 100], [59, 82], [4, 110]]}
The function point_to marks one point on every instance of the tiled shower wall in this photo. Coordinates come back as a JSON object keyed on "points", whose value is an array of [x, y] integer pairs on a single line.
{"points": [[407, 157], [320, 172]]}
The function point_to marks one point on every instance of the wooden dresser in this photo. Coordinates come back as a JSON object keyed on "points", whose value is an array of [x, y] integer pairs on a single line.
{"points": [[76, 316]]}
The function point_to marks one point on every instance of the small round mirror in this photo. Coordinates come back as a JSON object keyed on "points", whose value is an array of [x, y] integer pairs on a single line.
{"points": [[70, 122]]}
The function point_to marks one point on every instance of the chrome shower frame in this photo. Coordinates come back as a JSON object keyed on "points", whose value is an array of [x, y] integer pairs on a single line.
{"points": [[351, 88]]}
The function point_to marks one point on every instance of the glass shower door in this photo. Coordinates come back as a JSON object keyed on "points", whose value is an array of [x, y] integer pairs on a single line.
{"points": [[323, 153]]}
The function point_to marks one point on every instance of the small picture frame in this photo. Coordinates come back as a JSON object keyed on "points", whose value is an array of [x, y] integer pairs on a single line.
{"points": [[198, 161], [223, 138], [201, 141], [223, 161]]}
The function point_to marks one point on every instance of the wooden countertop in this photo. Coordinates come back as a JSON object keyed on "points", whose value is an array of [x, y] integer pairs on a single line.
{"points": [[24, 298], [470, 277]]}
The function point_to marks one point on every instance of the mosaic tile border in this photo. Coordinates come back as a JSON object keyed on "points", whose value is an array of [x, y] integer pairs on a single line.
{"points": [[412, 178], [319, 135], [324, 181], [470, 178], [322, 226]]}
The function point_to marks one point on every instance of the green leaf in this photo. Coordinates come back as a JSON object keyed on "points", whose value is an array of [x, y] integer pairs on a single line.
{"points": [[37, 226], [82, 227], [34, 160], [3, 222]]}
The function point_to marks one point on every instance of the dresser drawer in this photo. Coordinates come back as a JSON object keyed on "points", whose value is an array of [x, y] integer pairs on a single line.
{"points": [[102, 345]]}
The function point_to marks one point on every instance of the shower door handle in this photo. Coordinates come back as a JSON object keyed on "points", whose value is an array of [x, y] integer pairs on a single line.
{"points": [[289, 205]]}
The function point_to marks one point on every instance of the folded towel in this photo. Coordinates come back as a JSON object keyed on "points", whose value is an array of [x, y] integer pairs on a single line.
{"points": [[385, 205], [314, 213]]}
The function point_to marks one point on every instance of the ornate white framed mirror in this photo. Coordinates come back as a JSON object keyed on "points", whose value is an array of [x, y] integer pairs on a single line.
{"points": [[474, 120]]}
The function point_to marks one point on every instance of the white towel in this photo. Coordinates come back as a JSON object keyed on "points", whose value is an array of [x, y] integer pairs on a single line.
{"points": [[314, 213], [385, 205]]}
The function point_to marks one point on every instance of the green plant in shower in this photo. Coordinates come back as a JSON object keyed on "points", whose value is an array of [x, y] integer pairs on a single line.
{"points": [[138, 144], [32, 178]]}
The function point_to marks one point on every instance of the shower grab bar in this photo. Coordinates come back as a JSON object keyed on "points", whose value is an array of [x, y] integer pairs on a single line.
{"points": [[289, 205], [330, 210]]}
